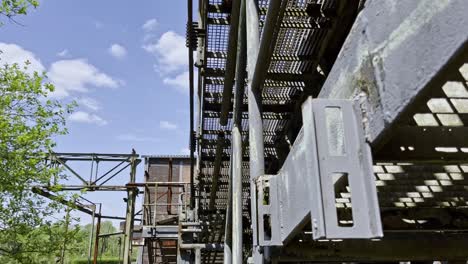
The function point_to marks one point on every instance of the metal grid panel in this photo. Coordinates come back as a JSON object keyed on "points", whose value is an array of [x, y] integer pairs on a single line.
{"points": [[412, 171], [295, 53]]}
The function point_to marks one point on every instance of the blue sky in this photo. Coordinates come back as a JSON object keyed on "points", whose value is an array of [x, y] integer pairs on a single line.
{"points": [[124, 62]]}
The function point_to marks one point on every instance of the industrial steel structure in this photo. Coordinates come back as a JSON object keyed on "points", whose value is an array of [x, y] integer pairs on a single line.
{"points": [[152, 233], [103, 167], [166, 198], [329, 130]]}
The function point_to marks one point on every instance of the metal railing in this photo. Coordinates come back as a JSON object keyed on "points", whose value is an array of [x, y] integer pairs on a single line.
{"points": [[153, 194]]}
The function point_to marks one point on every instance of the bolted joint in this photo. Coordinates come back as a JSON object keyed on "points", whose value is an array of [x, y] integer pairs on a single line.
{"points": [[192, 34]]}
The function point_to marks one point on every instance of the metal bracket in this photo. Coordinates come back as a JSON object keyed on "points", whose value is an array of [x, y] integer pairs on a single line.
{"points": [[267, 204], [326, 180], [335, 129]]}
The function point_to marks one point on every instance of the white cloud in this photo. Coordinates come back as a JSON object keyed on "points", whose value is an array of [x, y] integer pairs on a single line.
{"points": [[63, 53], [118, 51], [12, 53], [180, 82], [76, 76], [150, 25], [85, 117], [170, 51], [136, 138], [185, 151], [68, 76], [89, 103], [167, 125]]}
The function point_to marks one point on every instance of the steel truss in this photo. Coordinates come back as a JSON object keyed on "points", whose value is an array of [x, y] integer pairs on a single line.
{"points": [[96, 182]]}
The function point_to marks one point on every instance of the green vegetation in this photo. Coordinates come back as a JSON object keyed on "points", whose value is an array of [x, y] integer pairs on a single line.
{"points": [[28, 123], [17, 7], [108, 246], [32, 229], [12, 8], [46, 244]]}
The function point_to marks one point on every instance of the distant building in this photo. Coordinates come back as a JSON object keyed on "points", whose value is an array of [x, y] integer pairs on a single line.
{"points": [[168, 199]]}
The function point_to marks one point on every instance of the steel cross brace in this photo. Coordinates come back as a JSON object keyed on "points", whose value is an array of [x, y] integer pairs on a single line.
{"points": [[330, 156]]}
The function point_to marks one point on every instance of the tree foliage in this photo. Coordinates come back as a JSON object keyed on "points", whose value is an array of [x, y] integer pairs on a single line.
{"points": [[41, 244], [29, 121], [109, 246], [30, 231], [12, 8]]}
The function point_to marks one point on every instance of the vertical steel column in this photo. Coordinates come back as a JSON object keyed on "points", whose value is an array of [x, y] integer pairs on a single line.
{"points": [[258, 61], [91, 235], [96, 239], [236, 196], [129, 217], [191, 94], [64, 247], [240, 69], [236, 166], [257, 159], [198, 256], [155, 203], [169, 188], [257, 162], [227, 259]]}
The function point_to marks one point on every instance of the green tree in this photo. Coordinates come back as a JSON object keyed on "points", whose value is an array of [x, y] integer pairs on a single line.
{"points": [[29, 121], [109, 246], [12, 8]]}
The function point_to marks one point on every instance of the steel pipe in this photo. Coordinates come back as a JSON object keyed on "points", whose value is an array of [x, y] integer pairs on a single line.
{"points": [[216, 170], [208, 246], [236, 196], [265, 49], [227, 259], [191, 95], [236, 158], [240, 69], [258, 61], [256, 155], [230, 61], [197, 256]]}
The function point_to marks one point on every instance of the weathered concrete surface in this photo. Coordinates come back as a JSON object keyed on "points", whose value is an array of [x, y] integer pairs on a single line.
{"points": [[394, 52]]}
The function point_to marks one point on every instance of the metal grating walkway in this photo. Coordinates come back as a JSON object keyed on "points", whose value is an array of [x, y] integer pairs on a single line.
{"points": [[294, 72], [419, 146]]}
